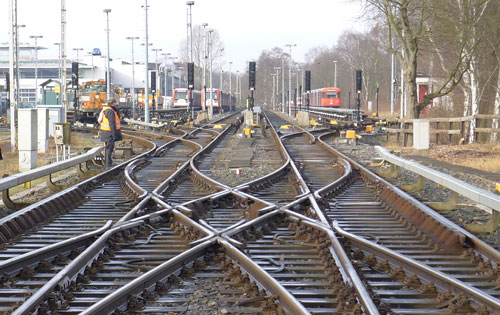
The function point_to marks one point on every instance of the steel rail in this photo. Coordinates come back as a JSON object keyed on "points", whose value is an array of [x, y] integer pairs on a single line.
{"points": [[116, 299], [348, 271], [286, 299], [445, 281], [443, 231], [17, 263], [67, 274]]}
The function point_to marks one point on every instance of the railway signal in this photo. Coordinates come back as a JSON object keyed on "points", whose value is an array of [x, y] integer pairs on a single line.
{"points": [[251, 81], [74, 74], [358, 89], [190, 67], [251, 75], [308, 86]]}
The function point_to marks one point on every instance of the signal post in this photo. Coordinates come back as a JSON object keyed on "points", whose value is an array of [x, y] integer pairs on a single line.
{"points": [[249, 121]]}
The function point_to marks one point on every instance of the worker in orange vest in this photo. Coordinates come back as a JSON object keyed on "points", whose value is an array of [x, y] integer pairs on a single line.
{"points": [[110, 129]]}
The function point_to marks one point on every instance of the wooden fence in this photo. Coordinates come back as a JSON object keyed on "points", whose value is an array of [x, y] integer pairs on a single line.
{"points": [[445, 130]]}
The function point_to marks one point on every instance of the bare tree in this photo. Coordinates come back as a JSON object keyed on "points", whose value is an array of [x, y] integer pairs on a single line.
{"points": [[407, 20]]}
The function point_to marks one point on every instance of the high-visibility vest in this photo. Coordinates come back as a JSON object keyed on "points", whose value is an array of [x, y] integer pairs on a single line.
{"points": [[105, 121]]}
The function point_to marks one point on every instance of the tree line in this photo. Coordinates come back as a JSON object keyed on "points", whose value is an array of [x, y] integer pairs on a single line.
{"points": [[453, 44]]}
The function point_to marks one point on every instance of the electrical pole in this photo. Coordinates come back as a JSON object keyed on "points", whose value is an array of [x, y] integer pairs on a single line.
{"points": [[146, 81], [190, 30], [290, 79], [205, 51], [283, 85], [12, 63], [211, 111], [108, 70], [36, 37], [230, 93], [63, 59], [131, 38]]}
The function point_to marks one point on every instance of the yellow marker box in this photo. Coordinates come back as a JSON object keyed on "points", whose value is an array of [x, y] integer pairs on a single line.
{"points": [[333, 122], [498, 187], [350, 134], [285, 127], [247, 131], [217, 126], [369, 128]]}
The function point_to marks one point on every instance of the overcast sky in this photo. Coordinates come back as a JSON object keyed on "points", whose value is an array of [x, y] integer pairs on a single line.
{"points": [[246, 27]]}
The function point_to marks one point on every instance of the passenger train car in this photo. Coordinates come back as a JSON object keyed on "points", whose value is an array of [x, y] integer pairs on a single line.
{"points": [[220, 99], [181, 97], [325, 97]]}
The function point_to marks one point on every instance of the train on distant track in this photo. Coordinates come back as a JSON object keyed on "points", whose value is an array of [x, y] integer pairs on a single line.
{"points": [[325, 97], [201, 100]]}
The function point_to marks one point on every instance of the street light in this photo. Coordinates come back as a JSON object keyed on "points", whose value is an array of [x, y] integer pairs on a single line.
{"points": [[230, 93], [108, 74], [36, 37], [190, 30], [290, 79], [146, 64], [283, 85], [210, 113], [205, 50], [278, 81], [133, 75], [77, 54], [59, 63], [165, 74], [335, 74], [220, 65]]}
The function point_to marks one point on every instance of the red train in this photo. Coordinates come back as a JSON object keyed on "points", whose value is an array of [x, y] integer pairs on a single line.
{"points": [[180, 98], [325, 97], [220, 99]]}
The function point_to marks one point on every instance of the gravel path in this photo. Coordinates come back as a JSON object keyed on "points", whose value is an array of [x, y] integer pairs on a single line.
{"points": [[467, 212]]}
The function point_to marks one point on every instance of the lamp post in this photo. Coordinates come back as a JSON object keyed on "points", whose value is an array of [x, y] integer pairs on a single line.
{"points": [[290, 79], [335, 73], [108, 74], [190, 30], [59, 63], [283, 85], [230, 94], [220, 66], [146, 64], [77, 54], [165, 73], [205, 51], [156, 50], [13, 70], [277, 81], [132, 38], [210, 113], [36, 37], [238, 86], [273, 99]]}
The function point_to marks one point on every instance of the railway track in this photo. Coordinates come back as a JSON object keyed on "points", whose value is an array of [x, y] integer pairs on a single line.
{"points": [[319, 235]]}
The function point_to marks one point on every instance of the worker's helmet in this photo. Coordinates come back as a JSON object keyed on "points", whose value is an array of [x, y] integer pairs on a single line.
{"points": [[112, 100]]}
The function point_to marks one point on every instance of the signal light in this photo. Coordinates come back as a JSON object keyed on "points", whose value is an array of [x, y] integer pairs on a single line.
{"points": [[191, 75], [7, 81], [153, 81], [358, 80], [308, 80], [251, 75], [74, 73]]}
